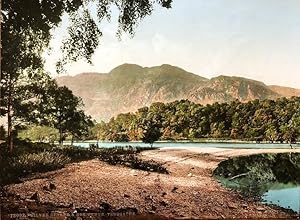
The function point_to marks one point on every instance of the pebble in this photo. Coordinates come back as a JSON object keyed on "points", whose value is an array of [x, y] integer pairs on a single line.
{"points": [[126, 195], [35, 197], [52, 186], [232, 206], [174, 189]]}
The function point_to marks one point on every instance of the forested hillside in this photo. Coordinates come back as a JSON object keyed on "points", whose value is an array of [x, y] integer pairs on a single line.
{"points": [[254, 120], [129, 87]]}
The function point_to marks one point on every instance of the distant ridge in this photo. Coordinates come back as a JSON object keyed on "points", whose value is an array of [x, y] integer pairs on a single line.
{"points": [[129, 86], [285, 91]]}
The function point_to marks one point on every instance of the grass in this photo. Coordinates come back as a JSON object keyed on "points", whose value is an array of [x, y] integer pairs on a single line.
{"points": [[29, 158]]}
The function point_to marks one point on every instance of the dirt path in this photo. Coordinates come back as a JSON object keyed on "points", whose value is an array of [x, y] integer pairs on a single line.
{"points": [[188, 191]]}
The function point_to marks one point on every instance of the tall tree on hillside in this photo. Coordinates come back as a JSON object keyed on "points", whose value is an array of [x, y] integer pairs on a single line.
{"points": [[26, 32]]}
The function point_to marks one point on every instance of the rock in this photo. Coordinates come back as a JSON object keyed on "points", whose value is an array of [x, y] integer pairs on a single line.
{"points": [[45, 188], [35, 197], [149, 197], [174, 189], [126, 196], [163, 194], [133, 172], [244, 205], [232, 206], [30, 201], [105, 207], [261, 209], [52, 186], [163, 203], [190, 175]]}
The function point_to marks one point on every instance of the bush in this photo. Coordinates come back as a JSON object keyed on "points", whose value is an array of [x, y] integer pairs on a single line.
{"points": [[39, 162], [126, 156], [77, 153]]}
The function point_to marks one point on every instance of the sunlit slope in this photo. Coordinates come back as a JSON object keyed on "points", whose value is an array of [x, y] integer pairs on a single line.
{"points": [[129, 87]]}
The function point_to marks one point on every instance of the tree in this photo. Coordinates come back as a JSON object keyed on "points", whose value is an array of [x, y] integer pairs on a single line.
{"points": [[39, 133], [79, 125], [26, 33], [60, 109], [151, 133], [271, 133], [21, 99], [150, 130], [291, 130]]}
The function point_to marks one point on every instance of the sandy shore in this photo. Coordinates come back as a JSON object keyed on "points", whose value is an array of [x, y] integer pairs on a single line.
{"points": [[189, 191]]}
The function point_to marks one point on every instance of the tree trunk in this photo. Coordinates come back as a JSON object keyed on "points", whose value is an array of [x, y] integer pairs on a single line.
{"points": [[1, 75], [10, 144], [60, 136], [290, 142]]}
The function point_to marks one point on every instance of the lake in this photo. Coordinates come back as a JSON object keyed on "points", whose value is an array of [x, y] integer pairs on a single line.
{"points": [[236, 145], [274, 178], [284, 195]]}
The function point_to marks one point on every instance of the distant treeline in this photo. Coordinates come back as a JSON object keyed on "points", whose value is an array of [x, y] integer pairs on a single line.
{"points": [[269, 120]]}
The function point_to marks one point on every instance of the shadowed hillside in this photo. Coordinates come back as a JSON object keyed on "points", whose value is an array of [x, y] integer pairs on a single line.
{"points": [[129, 87]]}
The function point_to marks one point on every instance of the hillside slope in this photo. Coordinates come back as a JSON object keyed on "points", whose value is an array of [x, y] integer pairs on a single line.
{"points": [[129, 87], [285, 91]]}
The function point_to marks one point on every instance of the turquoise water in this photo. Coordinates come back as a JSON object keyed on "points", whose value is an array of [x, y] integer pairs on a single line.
{"points": [[284, 195], [186, 144]]}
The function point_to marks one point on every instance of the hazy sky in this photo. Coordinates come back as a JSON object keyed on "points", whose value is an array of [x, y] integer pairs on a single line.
{"points": [[258, 39]]}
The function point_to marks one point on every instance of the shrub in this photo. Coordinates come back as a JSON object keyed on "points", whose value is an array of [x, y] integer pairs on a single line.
{"points": [[39, 162], [126, 156], [77, 153]]}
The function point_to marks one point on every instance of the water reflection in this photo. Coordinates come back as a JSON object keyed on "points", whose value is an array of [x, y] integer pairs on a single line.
{"points": [[274, 178], [284, 195]]}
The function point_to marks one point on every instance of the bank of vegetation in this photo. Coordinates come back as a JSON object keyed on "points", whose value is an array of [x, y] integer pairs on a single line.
{"points": [[266, 120], [31, 158]]}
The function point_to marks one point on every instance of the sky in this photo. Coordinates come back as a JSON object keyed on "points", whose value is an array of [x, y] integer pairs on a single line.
{"points": [[257, 39]]}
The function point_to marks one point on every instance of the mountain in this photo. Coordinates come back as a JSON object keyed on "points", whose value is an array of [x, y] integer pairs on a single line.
{"points": [[285, 91], [129, 87]]}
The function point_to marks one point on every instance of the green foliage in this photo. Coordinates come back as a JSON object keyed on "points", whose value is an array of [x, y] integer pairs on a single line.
{"points": [[77, 153], [26, 34], [266, 120], [60, 109], [39, 134], [39, 162], [29, 158], [251, 174], [126, 156], [151, 134]]}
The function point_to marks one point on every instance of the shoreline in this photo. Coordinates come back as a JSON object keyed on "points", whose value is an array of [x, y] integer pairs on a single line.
{"points": [[188, 191]]}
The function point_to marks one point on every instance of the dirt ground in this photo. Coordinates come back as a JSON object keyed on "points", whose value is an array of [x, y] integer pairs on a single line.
{"points": [[189, 191]]}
